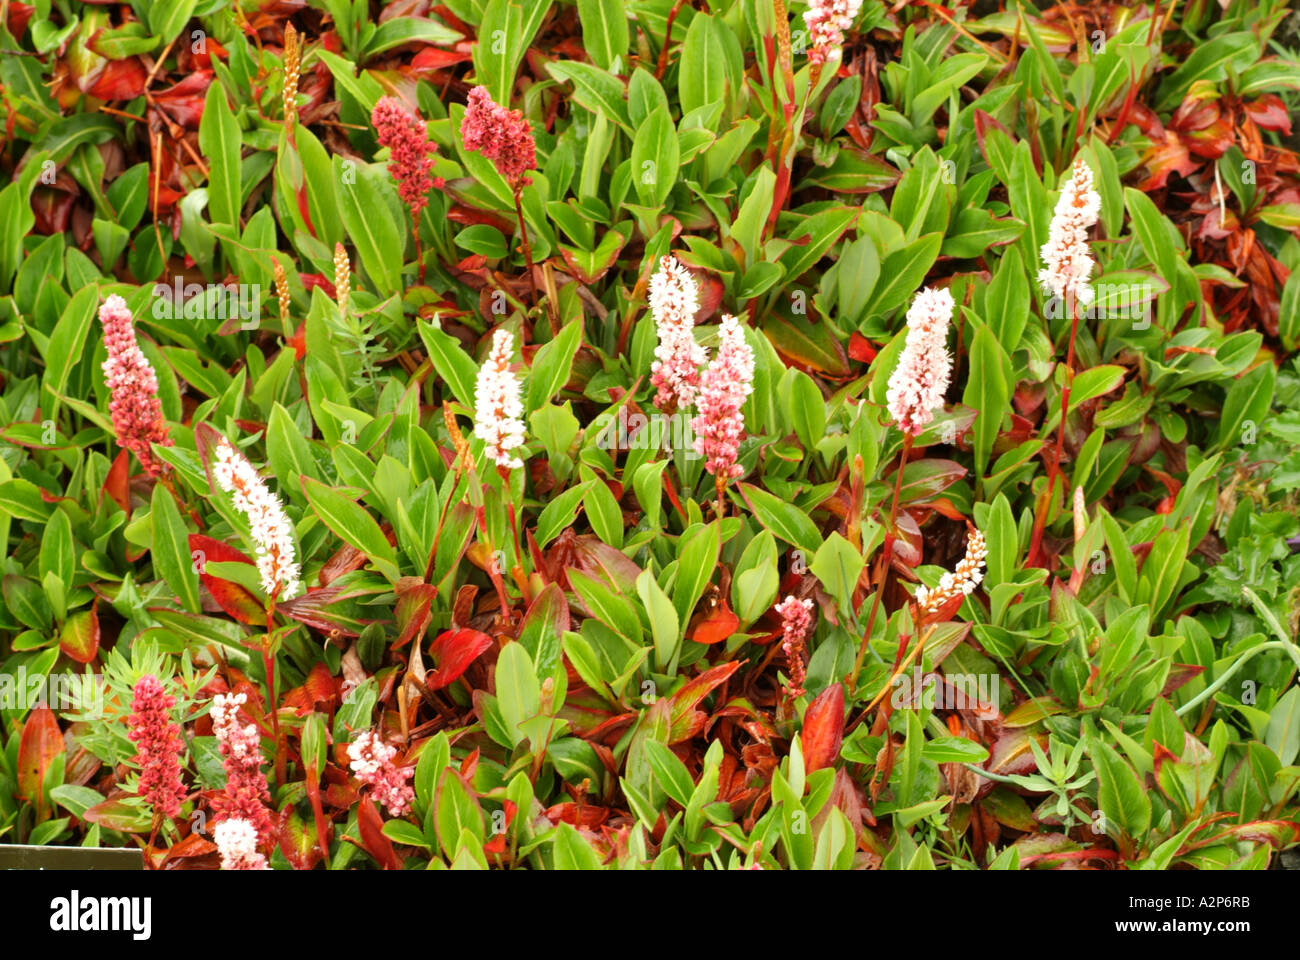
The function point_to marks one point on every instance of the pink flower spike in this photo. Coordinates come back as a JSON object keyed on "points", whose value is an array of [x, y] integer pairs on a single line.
{"points": [[918, 383], [497, 406], [674, 301], [246, 793], [724, 387], [1067, 262], [826, 21], [796, 620], [158, 746], [237, 842], [411, 152], [133, 386], [372, 762], [501, 135]]}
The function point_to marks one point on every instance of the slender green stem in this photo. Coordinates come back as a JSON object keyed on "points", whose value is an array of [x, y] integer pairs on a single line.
{"points": [[1292, 650]]}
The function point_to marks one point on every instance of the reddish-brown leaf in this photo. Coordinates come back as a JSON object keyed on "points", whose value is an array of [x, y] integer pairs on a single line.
{"points": [[452, 652], [823, 729], [371, 827], [41, 742]]}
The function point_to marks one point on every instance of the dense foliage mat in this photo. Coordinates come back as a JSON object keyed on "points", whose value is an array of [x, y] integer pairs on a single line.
{"points": [[548, 434]]}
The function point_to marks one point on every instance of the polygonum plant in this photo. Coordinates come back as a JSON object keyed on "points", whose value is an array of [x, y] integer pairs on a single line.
{"points": [[824, 435]]}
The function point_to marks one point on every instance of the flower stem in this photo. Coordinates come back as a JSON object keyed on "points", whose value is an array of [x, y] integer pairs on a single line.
{"points": [[1036, 557], [882, 572]]}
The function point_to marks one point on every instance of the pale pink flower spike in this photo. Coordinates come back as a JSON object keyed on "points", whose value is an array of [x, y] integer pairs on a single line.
{"points": [[1067, 261], [826, 21], [725, 386], [674, 300], [918, 383], [269, 525], [372, 762], [237, 843], [497, 404]]}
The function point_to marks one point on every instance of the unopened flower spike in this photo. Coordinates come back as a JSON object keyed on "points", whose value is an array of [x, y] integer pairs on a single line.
{"points": [[796, 620], [245, 796], [158, 746]]}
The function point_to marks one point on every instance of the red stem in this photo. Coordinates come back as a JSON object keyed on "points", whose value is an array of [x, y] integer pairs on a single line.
{"points": [[886, 556]]}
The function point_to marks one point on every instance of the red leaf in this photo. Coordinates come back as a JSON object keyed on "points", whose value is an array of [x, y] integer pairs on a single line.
{"points": [[371, 827], [41, 742], [117, 483], [683, 725], [232, 598], [79, 638], [453, 651], [121, 80], [715, 626], [1270, 113], [860, 348], [299, 843], [823, 729]]}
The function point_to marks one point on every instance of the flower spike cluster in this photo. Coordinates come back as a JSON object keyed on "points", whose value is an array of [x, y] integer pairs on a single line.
{"points": [[501, 135], [918, 383], [826, 21], [246, 794], [158, 746], [674, 301], [270, 527], [962, 581], [133, 387], [372, 762], [412, 152], [725, 386], [796, 619], [1067, 262], [497, 405]]}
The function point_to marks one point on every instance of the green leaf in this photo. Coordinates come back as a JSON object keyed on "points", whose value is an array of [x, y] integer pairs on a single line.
{"points": [[838, 565], [553, 364], [655, 156], [702, 72], [220, 141], [518, 691], [352, 524], [504, 35], [453, 365], [599, 91], [171, 550], [378, 237], [1209, 62], [1246, 405], [697, 559], [988, 389], [604, 30], [1120, 794], [785, 520], [168, 19], [807, 410]]}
